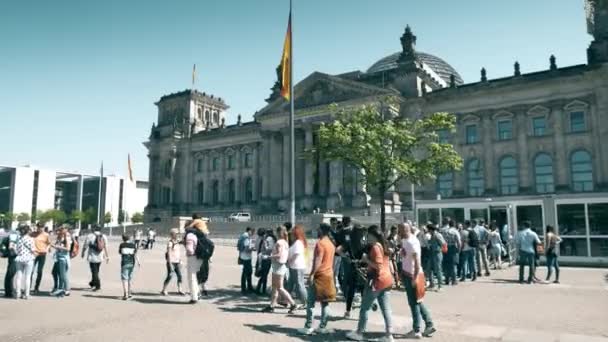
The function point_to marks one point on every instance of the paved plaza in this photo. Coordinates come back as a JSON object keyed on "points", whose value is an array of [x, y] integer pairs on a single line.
{"points": [[491, 309]]}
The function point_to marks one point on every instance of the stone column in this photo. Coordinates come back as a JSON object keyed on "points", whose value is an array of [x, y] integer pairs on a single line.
{"points": [[308, 164], [286, 163], [561, 164], [275, 175], [152, 180], [523, 161], [238, 188], [255, 173], [489, 132]]}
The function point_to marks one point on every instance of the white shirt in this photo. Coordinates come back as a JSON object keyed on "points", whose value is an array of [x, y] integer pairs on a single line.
{"points": [[296, 256], [93, 255], [410, 246]]}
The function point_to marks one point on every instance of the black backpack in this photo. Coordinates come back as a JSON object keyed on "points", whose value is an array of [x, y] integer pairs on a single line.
{"points": [[204, 246], [473, 238]]}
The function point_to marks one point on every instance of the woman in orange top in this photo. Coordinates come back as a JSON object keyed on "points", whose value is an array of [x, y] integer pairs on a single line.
{"points": [[379, 285]]}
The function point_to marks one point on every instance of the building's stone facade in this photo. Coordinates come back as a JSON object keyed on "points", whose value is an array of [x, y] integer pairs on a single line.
{"points": [[535, 133]]}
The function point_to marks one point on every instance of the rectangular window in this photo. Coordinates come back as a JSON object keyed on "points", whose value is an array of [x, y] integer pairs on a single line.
{"points": [[505, 130], [444, 136], [199, 165], [539, 126], [215, 164], [230, 162], [248, 160], [577, 122], [471, 134]]}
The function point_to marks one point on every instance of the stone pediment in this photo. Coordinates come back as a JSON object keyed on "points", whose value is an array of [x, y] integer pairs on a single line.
{"points": [[321, 89]]}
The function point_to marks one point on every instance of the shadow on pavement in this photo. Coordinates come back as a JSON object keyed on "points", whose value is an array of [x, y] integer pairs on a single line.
{"points": [[159, 301], [244, 308], [291, 332], [504, 281]]}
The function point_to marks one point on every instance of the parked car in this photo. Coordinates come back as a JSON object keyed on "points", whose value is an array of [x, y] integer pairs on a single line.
{"points": [[239, 217]]}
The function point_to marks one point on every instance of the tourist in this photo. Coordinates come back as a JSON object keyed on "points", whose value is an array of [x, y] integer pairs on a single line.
{"points": [[264, 252], [495, 246], [469, 243], [351, 249], [151, 238], [138, 237], [411, 271], [173, 260], [245, 247], [321, 287], [128, 257], [378, 287], [437, 245], [61, 266], [394, 248], [525, 241], [194, 235], [206, 246], [9, 250], [96, 249], [443, 230], [279, 258], [336, 231], [452, 239], [24, 261], [42, 242], [297, 262], [423, 236], [481, 252], [551, 241]]}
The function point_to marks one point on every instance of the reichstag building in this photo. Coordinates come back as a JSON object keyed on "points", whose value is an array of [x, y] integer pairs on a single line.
{"points": [[531, 144]]}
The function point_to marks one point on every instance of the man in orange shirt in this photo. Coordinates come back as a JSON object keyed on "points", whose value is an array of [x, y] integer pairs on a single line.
{"points": [[42, 243], [321, 285]]}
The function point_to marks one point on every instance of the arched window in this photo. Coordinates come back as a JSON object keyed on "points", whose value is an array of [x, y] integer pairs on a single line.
{"points": [[581, 170], [543, 173], [445, 184], [199, 165], [215, 192], [168, 169], [509, 178], [230, 162], [216, 117], [248, 190], [200, 193], [207, 116], [475, 180], [231, 191], [215, 164]]}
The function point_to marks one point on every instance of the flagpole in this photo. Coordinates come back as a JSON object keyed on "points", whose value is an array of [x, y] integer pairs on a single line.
{"points": [[292, 163], [99, 221]]}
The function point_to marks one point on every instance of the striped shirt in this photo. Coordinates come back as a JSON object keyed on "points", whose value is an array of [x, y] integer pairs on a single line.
{"points": [[127, 252]]}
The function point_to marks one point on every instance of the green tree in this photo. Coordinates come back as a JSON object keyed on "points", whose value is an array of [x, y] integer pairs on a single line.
{"points": [[107, 218], [121, 216], [7, 219], [137, 218], [387, 148], [90, 216], [44, 216], [76, 216], [58, 216], [23, 217]]}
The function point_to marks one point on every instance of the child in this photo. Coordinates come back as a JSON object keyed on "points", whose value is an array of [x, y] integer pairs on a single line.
{"points": [[128, 257], [173, 258]]}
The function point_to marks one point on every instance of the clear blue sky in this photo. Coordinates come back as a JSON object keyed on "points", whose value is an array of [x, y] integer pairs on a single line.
{"points": [[78, 79]]}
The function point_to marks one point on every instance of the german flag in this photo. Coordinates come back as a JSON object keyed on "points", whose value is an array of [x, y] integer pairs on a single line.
{"points": [[286, 64], [130, 167]]}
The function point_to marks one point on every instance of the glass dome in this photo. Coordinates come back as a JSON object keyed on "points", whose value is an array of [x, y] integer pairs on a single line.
{"points": [[441, 67]]}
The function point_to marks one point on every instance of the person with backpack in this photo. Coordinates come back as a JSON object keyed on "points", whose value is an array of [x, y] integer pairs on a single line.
{"points": [[198, 252], [63, 247], [9, 251], [245, 247], [437, 247], [470, 241], [451, 258], [95, 247], [481, 253]]}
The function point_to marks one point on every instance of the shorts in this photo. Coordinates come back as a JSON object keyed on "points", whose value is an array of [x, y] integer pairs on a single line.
{"points": [[279, 269], [126, 272]]}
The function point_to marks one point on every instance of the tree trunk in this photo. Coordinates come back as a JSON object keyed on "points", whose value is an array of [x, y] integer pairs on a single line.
{"points": [[382, 191]]}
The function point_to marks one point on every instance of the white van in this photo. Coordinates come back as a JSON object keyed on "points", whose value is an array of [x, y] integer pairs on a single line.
{"points": [[239, 217]]}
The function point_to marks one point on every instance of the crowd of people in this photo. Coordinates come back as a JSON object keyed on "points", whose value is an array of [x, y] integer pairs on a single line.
{"points": [[362, 264]]}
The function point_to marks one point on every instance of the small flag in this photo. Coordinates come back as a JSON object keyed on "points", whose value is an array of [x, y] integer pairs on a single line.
{"points": [[286, 63], [193, 75], [130, 168]]}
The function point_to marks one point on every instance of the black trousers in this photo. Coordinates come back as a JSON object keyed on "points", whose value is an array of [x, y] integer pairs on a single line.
{"points": [[39, 266], [263, 281], [11, 269], [246, 276], [95, 282], [203, 274]]}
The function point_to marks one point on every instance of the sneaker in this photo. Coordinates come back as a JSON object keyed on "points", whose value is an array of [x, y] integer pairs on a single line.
{"points": [[125, 297], [487, 274], [181, 293], [294, 308], [347, 314], [556, 282], [324, 331], [306, 331], [413, 335], [193, 301], [268, 309], [164, 293], [66, 293], [354, 336], [56, 293], [374, 307], [429, 331]]}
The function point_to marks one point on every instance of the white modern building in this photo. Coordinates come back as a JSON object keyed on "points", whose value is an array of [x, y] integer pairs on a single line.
{"points": [[27, 189]]}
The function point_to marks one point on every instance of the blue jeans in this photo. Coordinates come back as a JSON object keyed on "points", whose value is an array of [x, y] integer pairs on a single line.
{"points": [[384, 300], [418, 309], [552, 263], [435, 268], [310, 306], [469, 264], [64, 281], [526, 259], [450, 260], [296, 283]]}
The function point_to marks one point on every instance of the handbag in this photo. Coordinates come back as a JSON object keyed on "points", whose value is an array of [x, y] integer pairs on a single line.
{"points": [[540, 249], [420, 287], [239, 261]]}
